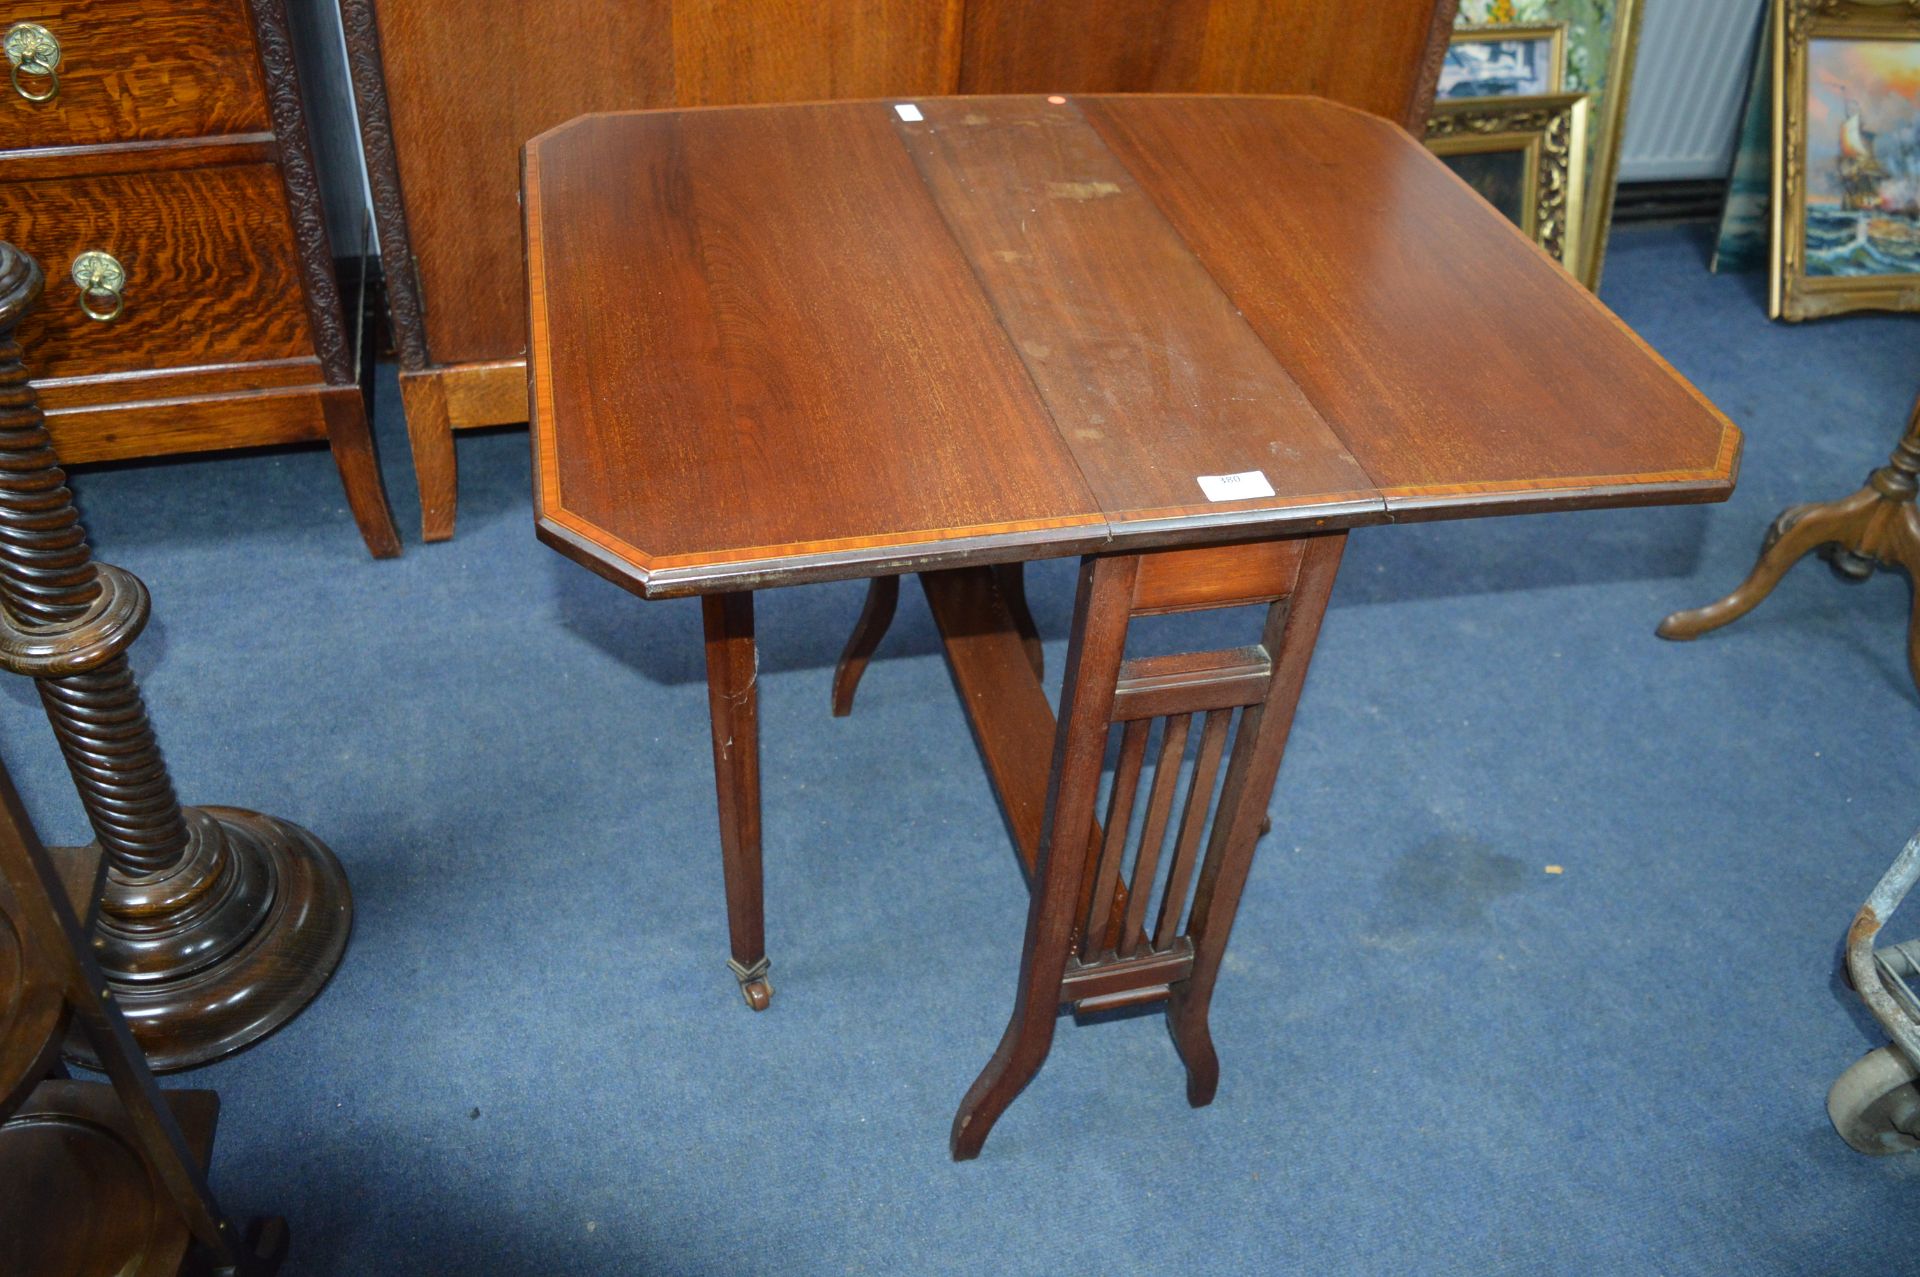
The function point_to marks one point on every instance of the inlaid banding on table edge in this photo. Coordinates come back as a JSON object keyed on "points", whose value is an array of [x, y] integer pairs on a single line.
{"points": [[1133, 347], [770, 363], [1442, 348], [761, 566]]}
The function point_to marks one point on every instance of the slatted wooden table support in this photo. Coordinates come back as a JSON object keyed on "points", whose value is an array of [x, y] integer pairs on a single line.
{"points": [[1190, 340]]}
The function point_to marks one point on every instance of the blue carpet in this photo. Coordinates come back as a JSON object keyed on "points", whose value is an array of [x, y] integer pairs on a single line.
{"points": [[1437, 1057]]}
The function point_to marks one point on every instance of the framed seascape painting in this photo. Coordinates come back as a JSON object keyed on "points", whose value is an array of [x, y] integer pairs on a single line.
{"points": [[1601, 40], [1525, 157], [1504, 61], [1846, 172], [1745, 227]]}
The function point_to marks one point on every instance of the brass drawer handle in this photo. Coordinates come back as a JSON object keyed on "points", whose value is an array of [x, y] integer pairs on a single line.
{"points": [[33, 50], [102, 281]]}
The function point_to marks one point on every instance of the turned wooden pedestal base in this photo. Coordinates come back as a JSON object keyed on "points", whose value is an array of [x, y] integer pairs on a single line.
{"points": [[1876, 527], [1123, 911], [228, 945], [215, 926]]}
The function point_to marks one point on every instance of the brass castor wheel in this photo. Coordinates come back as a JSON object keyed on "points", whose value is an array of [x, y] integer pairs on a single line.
{"points": [[754, 985]]}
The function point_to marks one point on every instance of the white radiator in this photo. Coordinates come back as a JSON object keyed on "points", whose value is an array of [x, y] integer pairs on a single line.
{"points": [[1689, 88]]}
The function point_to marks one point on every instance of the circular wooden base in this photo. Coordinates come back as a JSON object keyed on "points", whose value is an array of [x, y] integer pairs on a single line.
{"points": [[229, 947], [77, 1196], [32, 1003]]}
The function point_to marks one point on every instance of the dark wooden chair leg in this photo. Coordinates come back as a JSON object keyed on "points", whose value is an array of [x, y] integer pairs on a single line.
{"points": [[1093, 662], [883, 595], [1012, 578], [423, 397], [733, 701], [1293, 627], [351, 439]]}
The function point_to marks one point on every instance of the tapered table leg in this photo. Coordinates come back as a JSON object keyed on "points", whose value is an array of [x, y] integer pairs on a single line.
{"points": [[1876, 527], [1094, 651], [733, 701], [216, 925]]}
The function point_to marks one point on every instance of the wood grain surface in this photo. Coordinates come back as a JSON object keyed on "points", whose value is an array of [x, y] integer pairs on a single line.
{"points": [[1135, 349], [449, 90], [889, 379], [1446, 350], [778, 344], [467, 84], [212, 276], [1367, 55], [133, 70], [76, 1194]]}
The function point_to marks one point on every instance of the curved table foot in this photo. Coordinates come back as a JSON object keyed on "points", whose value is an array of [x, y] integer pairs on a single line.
{"points": [[1023, 1049], [883, 595], [1193, 1039], [1791, 537]]}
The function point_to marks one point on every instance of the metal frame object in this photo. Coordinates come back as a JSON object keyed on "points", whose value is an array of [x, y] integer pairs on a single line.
{"points": [[1875, 1105]]}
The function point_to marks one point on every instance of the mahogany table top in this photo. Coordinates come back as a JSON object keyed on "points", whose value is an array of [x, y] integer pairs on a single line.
{"points": [[784, 343]]}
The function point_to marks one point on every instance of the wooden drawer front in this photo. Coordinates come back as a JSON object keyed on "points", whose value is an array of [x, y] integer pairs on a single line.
{"points": [[212, 276], [133, 70]]}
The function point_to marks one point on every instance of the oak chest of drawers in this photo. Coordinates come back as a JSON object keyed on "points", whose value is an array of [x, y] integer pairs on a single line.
{"points": [[154, 155]]}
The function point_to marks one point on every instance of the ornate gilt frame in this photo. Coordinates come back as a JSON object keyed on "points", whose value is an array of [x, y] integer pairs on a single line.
{"points": [[1607, 131], [1552, 130], [1484, 32], [1792, 294]]}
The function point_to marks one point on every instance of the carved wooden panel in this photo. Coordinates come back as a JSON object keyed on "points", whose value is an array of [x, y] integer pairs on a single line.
{"points": [[212, 274], [132, 70]]}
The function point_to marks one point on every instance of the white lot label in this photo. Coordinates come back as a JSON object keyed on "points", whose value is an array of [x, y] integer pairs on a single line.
{"points": [[908, 112], [1235, 487]]}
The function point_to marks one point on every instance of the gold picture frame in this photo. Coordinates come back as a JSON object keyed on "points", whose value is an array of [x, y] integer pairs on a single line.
{"points": [[1553, 34], [1829, 243], [1607, 130], [1533, 153]]}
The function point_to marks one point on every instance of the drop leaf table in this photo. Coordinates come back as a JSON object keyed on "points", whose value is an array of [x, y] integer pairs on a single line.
{"points": [[1192, 340]]}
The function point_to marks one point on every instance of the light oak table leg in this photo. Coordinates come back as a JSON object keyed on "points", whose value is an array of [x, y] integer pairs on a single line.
{"points": [[351, 439], [423, 397], [733, 700]]}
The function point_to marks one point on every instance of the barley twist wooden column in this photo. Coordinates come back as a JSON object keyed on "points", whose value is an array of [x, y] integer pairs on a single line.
{"points": [[217, 925]]}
